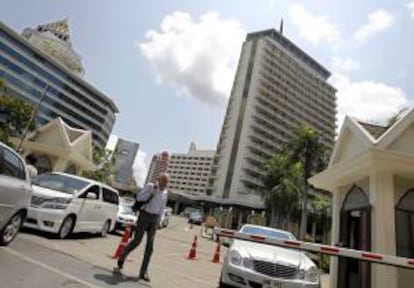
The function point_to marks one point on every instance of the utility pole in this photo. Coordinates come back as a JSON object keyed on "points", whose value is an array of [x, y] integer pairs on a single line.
{"points": [[34, 113]]}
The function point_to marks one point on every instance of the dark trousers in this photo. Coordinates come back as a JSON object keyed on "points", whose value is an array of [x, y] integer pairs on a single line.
{"points": [[146, 223]]}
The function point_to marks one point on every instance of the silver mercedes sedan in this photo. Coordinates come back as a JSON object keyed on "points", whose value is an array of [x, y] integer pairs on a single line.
{"points": [[257, 265]]}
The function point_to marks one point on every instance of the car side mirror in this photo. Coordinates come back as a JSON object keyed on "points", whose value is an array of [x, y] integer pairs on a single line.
{"points": [[91, 196]]}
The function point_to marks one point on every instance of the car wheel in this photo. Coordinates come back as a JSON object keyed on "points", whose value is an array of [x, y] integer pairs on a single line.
{"points": [[11, 229], [66, 227], [105, 228]]}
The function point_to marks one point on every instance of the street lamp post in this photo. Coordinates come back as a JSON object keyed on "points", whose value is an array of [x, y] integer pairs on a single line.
{"points": [[34, 113]]}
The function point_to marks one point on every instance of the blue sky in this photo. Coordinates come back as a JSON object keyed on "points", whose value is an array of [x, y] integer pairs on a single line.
{"points": [[171, 84]]}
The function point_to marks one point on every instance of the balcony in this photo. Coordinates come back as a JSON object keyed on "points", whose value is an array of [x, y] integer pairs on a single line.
{"points": [[253, 168], [253, 180]]}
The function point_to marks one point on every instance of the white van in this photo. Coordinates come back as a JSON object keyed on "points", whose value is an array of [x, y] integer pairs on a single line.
{"points": [[15, 193], [65, 203]]}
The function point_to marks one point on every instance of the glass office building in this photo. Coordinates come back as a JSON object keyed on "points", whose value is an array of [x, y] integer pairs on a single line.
{"points": [[29, 72]]}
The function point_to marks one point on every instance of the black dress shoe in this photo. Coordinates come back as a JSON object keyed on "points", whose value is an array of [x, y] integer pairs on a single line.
{"points": [[120, 265], [145, 278]]}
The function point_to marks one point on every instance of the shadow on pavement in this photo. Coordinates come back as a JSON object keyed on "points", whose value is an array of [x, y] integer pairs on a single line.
{"points": [[73, 236], [116, 279]]}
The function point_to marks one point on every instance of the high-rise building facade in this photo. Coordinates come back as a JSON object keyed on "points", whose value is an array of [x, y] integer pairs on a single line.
{"points": [[190, 171], [158, 166], [277, 88], [42, 61], [124, 154]]}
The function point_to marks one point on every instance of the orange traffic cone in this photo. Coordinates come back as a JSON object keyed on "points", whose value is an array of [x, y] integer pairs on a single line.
{"points": [[124, 242], [192, 254], [216, 258]]}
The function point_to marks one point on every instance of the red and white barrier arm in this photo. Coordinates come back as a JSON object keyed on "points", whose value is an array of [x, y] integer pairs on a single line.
{"points": [[319, 248]]}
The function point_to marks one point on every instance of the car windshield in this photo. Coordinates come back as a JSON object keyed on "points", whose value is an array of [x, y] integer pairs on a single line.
{"points": [[267, 232], [61, 183], [124, 209], [195, 214]]}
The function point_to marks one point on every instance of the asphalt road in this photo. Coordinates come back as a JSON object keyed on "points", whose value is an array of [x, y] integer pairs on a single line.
{"points": [[38, 260], [25, 264]]}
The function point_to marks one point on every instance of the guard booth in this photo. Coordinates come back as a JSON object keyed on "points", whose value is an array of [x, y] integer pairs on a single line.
{"points": [[371, 177]]}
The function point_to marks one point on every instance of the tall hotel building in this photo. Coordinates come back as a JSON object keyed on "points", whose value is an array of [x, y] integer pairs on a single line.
{"points": [[190, 171], [42, 60], [124, 154], [158, 166], [277, 87]]}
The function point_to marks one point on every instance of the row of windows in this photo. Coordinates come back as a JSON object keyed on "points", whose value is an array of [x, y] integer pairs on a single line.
{"points": [[56, 95], [296, 68], [190, 158], [193, 179], [301, 78], [326, 132], [297, 52], [45, 115], [31, 65], [171, 167], [310, 101], [299, 82], [74, 95], [187, 189], [42, 84], [187, 183], [52, 105], [55, 70], [189, 178], [189, 163], [175, 172]]}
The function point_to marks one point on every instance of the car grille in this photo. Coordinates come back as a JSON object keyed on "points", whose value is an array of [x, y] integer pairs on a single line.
{"points": [[275, 270], [37, 200]]}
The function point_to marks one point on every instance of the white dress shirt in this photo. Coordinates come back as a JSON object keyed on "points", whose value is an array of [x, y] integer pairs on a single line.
{"points": [[157, 203]]}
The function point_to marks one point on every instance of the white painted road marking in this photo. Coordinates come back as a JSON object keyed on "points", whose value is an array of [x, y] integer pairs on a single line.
{"points": [[47, 267]]}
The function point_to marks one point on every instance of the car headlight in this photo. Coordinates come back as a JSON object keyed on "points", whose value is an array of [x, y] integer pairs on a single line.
{"points": [[235, 258], [56, 203], [312, 274], [248, 263], [301, 274]]}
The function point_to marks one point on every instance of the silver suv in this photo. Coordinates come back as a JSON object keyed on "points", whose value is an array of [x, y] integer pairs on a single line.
{"points": [[15, 193]]}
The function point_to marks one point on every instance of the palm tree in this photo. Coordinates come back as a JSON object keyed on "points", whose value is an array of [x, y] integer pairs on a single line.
{"points": [[306, 148], [282, 186]]}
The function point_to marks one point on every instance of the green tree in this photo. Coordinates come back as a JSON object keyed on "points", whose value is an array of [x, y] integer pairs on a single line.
{"points": [[15, 113], [104, 162], [282, 186], [306, 148]]}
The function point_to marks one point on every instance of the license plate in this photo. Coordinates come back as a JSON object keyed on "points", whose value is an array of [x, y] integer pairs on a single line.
{"points": [[273, 284]]}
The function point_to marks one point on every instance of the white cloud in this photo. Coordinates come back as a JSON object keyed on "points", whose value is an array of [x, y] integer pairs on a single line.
{"points": [[410, 7], [367, 100], [313, 28], [140, 168], [344, 65], [378, 21], [198, 58]]}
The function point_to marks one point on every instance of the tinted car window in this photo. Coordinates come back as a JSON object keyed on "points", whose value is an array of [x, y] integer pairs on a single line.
{"points": [[11, 165], [110, 196], [61, 183], [267, 232], [93, 189]]}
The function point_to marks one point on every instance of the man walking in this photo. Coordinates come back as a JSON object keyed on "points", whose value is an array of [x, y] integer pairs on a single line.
{"points": [[149, 218]]}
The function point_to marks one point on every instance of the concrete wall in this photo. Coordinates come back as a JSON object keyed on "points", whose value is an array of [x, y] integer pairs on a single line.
{"points": [[405, 142], [350, 147]]}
